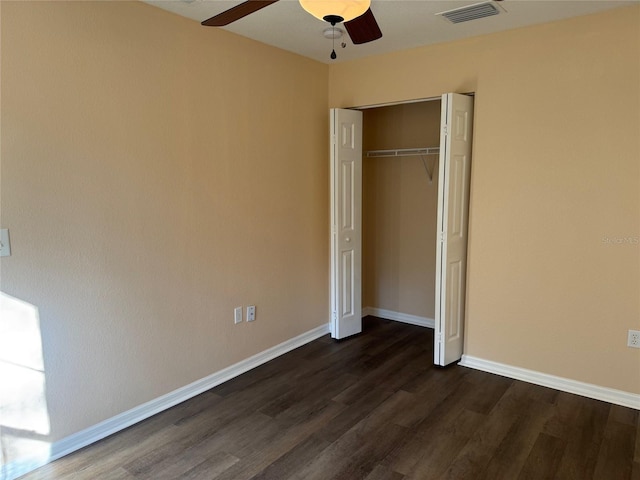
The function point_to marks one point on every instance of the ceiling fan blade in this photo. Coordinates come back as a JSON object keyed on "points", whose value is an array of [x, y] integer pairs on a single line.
{"points": [[364, 28], [237, 12]]}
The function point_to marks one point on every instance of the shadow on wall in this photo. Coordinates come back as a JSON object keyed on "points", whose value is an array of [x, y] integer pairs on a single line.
{"points": [[24, 418]]}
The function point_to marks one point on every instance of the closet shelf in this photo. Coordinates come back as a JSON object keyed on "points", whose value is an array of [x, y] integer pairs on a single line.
{"points": [[404, 152], [408, 152]]}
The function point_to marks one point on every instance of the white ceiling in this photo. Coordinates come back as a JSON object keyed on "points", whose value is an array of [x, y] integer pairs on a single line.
{"points": [[404, 23]]}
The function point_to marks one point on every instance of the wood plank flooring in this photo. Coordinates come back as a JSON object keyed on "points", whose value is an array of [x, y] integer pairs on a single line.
{"points": [[371, 407]]}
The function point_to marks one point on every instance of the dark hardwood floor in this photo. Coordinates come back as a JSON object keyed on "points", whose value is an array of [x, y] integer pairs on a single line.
{"points": [[371, 407]]}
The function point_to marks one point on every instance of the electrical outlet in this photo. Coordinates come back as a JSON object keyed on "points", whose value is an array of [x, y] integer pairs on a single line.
{"points": [[251, 313], [237, 315], [633, 340]]}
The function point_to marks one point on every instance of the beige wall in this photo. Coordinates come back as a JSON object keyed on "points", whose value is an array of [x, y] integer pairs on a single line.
{"points": [[156, 174], [556, 171], [399, 210]]}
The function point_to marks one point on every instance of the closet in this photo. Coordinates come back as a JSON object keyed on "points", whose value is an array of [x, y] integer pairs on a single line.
{"points": [[398, 237], [399, 211]]}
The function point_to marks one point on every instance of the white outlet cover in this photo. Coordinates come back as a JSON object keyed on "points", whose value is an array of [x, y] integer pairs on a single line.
{"points": [[633, 340], [251, 313]]}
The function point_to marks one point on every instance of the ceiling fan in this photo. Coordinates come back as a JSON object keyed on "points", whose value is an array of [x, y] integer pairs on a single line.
{"points": [[357, 16]]}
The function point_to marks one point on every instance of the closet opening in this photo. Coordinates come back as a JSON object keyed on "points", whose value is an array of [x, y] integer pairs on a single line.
{"points": [[400, 146], [400, 177]]}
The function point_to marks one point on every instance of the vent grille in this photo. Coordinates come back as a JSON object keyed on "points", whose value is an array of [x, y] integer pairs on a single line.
{"points": [[471, 12]]}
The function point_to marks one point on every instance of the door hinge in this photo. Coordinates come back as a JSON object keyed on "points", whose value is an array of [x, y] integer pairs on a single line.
{"points": [[335, 315], [443, 236], [445, 130], [440, 338]]}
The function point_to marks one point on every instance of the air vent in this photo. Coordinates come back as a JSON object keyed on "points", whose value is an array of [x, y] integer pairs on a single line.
{"points": [[471, 12]]}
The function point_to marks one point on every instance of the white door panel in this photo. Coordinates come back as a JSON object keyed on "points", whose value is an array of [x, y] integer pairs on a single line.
{"points": [[453, 210], [346, 222]]}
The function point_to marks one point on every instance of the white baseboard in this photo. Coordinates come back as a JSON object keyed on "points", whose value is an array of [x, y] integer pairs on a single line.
{"points": [[126, 419], [589, 390], [399, 317]]}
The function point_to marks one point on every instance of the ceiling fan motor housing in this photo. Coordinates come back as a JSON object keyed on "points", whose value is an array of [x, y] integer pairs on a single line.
{"points": [[333, 19]]}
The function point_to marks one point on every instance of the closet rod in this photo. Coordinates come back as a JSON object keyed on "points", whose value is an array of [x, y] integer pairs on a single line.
{"points": [[404, 152]]}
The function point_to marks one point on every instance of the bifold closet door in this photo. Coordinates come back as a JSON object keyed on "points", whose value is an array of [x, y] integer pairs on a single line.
{"points": [[453, 211], [346, 222]]}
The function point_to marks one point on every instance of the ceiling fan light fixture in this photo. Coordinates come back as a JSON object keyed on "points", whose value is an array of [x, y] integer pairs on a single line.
{"points": [[344, 9]]}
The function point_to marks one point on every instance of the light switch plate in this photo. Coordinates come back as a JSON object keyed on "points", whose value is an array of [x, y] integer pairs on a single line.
{"points": [[5, 246]]}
